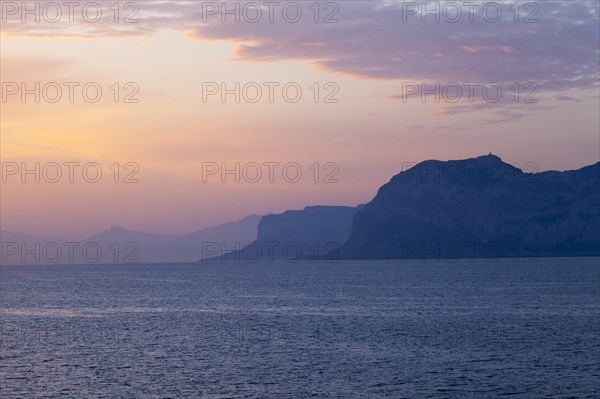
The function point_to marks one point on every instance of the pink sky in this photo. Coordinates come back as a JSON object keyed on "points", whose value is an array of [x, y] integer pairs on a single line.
{"points": [[359, 132]]}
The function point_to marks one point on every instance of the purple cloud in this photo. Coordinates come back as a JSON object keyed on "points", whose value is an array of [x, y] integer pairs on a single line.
{"points": [[371, 40], [387, 39]]}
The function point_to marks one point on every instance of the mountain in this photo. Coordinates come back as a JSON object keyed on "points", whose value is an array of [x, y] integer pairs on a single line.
{"points": [[479, 207], [22, 248], [180, 248], [309, 233], [119, 245], [472, 208]]}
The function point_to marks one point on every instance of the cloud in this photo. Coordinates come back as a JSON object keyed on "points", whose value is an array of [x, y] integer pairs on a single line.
{"points": [[369, 41], [384, 40], [568, 98]]}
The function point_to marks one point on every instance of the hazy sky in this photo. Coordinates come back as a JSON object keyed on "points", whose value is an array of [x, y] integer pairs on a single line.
{"points": [[360, 60]]}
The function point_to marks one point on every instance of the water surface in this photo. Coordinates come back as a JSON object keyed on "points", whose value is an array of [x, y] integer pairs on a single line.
{"points": [[364, 329]]}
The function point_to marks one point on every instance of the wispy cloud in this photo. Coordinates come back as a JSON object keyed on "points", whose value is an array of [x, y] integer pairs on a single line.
{"points": [[380, 40]]}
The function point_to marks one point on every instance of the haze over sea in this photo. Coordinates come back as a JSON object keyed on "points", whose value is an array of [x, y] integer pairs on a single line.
{"points": [[348, 329]]}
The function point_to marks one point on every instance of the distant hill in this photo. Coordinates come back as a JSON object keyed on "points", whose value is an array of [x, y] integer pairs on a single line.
{"points": [[479, 207], [119, 245], [472, 208], [309, 233]]}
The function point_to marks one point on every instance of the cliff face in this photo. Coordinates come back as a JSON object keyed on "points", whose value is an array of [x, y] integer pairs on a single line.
{"points": [[315, 229], [479, 207], [293, 235]]}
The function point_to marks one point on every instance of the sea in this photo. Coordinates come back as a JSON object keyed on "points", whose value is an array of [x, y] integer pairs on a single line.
{"points": [[477, 328]]}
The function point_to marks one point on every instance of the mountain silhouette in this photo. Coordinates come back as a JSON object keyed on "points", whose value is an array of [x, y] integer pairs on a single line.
{"points": [[479, 207], [120, 245], [306, 234]]}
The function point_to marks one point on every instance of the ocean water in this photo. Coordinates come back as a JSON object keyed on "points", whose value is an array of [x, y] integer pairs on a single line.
{"points": [[366, 329]]}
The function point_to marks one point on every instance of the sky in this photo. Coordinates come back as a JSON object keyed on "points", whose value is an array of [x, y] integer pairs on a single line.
{"points": [[172, 116]]}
